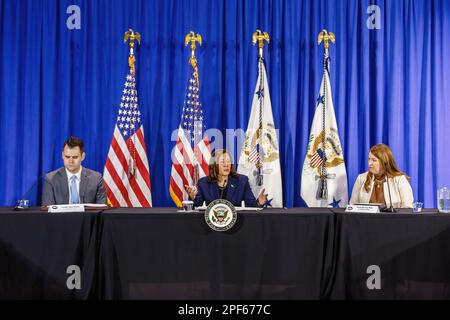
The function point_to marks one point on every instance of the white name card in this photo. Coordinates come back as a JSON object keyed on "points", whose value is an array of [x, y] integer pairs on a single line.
{"points": [[362, 208], [66, 208]]}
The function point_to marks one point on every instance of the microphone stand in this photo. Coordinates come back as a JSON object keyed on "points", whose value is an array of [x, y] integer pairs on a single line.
{"points": [[35, 183], [391, 208], [223, 188]]}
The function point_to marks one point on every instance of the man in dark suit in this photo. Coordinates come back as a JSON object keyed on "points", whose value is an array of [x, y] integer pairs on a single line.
{"points": [[73, 183]]}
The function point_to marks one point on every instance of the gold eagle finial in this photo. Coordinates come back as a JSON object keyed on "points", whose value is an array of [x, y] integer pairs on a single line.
{"points": [[260, 37], [192, 38], [132, 36], [325, 37]]}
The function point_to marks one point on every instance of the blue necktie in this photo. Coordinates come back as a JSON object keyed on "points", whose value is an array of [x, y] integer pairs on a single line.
{"points": [[74, 198]]}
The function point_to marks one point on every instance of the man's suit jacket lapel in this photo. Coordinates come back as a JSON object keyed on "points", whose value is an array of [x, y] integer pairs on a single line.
{"points": [[64, 187]]}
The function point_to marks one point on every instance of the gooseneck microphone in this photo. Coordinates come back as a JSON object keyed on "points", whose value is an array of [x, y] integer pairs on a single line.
{"points": [[26, 193], [391, 208], [223, 188]]}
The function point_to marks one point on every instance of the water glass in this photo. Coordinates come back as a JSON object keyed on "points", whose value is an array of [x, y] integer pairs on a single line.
{"points": [[188, 205], [443, 200], [23, 203], [417, 206]]}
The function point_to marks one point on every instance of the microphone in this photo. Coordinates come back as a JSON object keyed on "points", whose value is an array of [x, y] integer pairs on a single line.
{"points": [[26, 194], [223, 188], [391, 208]]}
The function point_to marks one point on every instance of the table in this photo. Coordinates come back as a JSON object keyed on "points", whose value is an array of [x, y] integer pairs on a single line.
{"points": [[160, 253], [36, 248], [411, 250]]}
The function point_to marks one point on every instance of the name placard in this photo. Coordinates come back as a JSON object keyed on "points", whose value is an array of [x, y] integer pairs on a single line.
{"points": [[66, 208], [362, 208]]}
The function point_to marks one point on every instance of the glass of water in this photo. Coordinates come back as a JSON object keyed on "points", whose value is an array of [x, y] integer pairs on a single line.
{"points": [[188, 205], [417, 206], [443, 200], [23, 203]]}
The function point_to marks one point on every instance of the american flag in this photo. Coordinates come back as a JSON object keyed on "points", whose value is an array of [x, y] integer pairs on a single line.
{"points": [[317, 158], [192, 151], [254, 155], [126, 173]]}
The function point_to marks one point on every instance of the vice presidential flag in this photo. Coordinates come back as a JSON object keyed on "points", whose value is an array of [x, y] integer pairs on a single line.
{"points": [[260, 156], [324, 178]]}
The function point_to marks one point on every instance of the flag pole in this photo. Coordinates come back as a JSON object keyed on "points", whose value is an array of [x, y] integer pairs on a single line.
{"points": [[131, 36], [322, 192], [259, 37], [192, 38]]}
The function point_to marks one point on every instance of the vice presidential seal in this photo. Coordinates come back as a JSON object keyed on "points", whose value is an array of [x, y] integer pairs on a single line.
{"points": [[220, 215]]}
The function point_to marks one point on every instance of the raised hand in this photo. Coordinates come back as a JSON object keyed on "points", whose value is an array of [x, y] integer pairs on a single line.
{"points": [[262, 198], [192, 191]]}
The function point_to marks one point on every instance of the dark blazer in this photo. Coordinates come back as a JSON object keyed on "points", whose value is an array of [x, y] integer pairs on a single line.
{"points": [[56, 187], [237, 190]]}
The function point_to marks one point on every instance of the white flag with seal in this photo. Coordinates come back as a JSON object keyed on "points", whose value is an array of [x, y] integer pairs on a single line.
{"points": [[324, 177], [260, 155]]}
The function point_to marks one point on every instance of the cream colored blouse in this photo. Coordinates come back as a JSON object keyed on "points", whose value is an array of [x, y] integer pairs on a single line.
{"points": [[401, 191]]}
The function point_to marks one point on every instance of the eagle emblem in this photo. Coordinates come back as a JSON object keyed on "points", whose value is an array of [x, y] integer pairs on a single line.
{"points": [[220, 215]]}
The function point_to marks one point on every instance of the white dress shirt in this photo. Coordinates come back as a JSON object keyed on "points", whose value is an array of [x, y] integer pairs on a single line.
{"points": [[69, 176]]}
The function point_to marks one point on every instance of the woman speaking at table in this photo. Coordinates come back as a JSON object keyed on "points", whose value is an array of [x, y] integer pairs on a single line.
{"points": [[372, 186], [224, 182]]}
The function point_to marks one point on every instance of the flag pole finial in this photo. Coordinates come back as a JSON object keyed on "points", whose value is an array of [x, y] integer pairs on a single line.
{"points": [[192, 38], [132, 36], [325, 37], [260, 36]]}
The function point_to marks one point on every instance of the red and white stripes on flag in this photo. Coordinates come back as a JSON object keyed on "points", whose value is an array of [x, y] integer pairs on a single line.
{"points": [[192, 151], [126, 174], [185, 162], [254, 155], [317, 158]]}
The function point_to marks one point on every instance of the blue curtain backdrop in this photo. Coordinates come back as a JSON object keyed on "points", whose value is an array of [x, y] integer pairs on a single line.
{"points": [[389, 85]]}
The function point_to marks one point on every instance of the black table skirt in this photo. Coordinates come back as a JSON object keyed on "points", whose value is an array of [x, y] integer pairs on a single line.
{"points": [[412, 252], [36, 249], [159, 253], [269, 255]]}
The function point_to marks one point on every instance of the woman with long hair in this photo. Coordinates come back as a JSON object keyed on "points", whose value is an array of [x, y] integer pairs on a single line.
{"points": [[372, 186], [224, 182]]}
